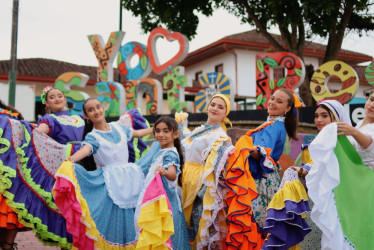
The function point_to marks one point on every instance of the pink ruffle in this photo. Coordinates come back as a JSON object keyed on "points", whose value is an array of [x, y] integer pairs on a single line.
{"points": [[69, 205]]}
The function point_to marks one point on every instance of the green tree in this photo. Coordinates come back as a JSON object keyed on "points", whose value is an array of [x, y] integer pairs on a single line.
{"points": [[297, 20]]}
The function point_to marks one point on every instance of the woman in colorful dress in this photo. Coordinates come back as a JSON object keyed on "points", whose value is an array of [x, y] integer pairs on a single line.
{"points": [[9, 224], [288, 218], [253, 171], [99, 205], [206, 150], [341, 183], [168, 162]]}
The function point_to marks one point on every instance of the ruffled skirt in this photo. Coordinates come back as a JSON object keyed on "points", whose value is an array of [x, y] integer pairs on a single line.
{"points": [[92, 217], [27, 170]]}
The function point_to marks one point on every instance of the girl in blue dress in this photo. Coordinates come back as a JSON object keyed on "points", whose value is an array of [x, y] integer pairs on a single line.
{"points": [[168, 162], [99, 205]]}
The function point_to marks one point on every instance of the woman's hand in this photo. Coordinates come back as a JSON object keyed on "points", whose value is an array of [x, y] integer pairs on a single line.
{"points": [[162, 171], [301, 172], [346, 129], [363, 140]]}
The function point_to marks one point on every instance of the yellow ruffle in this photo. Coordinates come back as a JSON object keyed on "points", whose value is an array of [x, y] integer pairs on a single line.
{"points": [[191, 185], [66, 171], [305, 156], [194, 175], [292, 191], [157, 225]]}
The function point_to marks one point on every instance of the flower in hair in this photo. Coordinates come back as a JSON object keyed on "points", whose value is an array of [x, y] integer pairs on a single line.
{"points": [[44, 94]]}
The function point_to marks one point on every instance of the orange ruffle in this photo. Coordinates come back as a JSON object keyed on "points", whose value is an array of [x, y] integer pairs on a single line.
{"points": [[242, 228], [261, 127], [8, 218]]}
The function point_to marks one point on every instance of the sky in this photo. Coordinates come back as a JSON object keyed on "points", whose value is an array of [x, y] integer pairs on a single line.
{"points": [[58, 30]]}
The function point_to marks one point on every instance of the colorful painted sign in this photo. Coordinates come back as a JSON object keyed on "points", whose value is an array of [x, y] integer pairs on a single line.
{"points": [[75, 97], [265, 82], [130, 89], [115, 102], [160, 32], [174, 82], [105, 55], [369, 73], [122, 97], [152, 89], [214, 82], [346, 74], [126, 53]]}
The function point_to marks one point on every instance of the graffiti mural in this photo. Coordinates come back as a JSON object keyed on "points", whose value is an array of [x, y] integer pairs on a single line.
{"points": [[265, 82], [346, 74]]}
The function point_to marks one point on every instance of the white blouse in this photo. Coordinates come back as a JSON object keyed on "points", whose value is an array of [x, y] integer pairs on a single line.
{"points": [[367, 155]]}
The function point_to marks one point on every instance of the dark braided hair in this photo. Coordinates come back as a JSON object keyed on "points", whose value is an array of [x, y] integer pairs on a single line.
{"points": [[173, 126]]}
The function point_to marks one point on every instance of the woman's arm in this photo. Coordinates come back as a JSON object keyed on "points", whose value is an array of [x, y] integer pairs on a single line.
{"points": [[170, 174], [81, 153], [142, 132], [43, 128], [363, 140]]}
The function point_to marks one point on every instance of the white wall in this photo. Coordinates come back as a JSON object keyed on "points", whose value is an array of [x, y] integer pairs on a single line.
{"points": [[25, 98]]}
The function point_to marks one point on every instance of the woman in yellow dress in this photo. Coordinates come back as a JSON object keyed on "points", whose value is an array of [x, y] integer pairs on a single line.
{"points": [[206, 150]]}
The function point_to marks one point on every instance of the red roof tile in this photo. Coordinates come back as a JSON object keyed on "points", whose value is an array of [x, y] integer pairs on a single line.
{"points": [[253, 40]]}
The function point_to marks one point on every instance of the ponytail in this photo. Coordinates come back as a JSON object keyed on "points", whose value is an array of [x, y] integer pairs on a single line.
{"points": [[88, 162], [291, 121], [178, 146]]}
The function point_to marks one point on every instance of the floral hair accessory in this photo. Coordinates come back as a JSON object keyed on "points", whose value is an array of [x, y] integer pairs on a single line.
{"points": [[44, 94]]}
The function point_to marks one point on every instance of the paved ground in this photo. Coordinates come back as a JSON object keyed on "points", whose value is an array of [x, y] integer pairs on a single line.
{"points": [[27, 241]]}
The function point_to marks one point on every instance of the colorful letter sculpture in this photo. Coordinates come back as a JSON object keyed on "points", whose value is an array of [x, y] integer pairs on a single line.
{"points": [[105, 55], [325, 72], [153, 96], [142, 69], [64, 83], [265, 82], [174, 82], [369, 73], [214, 82], [170, 36], [130, 89], [116, 98]]}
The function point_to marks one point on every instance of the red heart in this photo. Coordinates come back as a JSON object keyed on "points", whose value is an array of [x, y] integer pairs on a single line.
{"points": [[170, 36]]}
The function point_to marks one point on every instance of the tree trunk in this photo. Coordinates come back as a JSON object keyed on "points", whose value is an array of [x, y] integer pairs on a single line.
{"points": [[304, 89]]}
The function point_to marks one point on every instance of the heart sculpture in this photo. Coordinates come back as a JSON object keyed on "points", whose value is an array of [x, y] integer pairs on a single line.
{"points": [[170, 36]]}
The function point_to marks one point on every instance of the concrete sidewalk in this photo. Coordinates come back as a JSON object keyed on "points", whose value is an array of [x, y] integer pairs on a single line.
{"points": [[28, 241]]}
